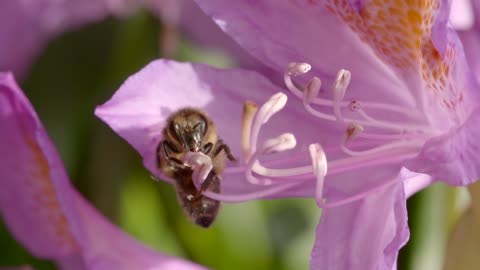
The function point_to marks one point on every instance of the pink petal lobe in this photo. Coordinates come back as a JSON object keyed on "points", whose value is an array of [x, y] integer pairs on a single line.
{"points": [[107, 247], [452, 157], [28, 198], [363, 235], [42, 209], [26, 26]]}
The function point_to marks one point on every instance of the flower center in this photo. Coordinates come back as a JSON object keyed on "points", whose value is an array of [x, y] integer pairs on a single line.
{"points": [[393, 142]]}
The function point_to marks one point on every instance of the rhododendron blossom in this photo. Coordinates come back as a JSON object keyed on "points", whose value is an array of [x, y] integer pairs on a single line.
{"points": [[378, 103]]}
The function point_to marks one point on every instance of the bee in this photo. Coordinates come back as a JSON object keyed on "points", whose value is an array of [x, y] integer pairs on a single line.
{"points": [[190, 129]]}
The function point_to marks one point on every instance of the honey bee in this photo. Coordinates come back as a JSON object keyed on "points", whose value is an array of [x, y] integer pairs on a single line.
{"points": [[192, 130]]}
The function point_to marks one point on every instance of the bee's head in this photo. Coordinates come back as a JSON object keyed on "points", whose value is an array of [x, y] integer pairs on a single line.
{"points": [[190, 130]]}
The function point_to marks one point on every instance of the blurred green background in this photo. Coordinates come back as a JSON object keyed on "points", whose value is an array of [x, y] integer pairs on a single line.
{"points": [[81, 69]]}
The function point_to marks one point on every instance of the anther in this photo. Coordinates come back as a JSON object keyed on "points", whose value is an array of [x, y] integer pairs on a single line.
{"points": [[201, 165], [276, 103], [352, 131], [340, 87], [319, 165], [249, 110], [295, 69], [281, 143], [341, 83], [312, 89]]}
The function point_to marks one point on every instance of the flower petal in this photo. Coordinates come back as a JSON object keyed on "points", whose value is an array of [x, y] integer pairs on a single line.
{"points": [[471, 44], [28, 197], [452, 157], [42, 209], [461, 14], [138, 110], [107, 247], [25, 26], [366, 234]]}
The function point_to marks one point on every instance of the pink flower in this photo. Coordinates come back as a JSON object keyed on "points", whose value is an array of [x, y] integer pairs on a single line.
{"points": [[42, 209], [394, 108], [26, 26]]}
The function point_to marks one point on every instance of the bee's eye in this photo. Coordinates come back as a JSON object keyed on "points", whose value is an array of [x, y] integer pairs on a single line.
{"points": [[200, 127], [175, 130]]}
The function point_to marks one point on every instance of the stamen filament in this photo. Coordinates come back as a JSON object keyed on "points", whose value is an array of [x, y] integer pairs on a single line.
{"points": [[272, 190], [340, 86], [382, 148], [268, 109], [339, 165]]}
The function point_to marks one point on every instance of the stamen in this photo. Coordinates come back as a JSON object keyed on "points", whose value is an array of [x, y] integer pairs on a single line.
{"points": [[273, 105], [341, 83], [312, 89], [282, 143], [282, 179], [249, 110], [295, 69], [201, 165], [337, 166], [411, 144], [272, 190], [352, 131], [319, 165], [339, 89]]}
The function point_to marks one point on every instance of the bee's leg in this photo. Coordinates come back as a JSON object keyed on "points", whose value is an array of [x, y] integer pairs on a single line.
{"points": [[207, 148], [167, 147], [219, 146], [208, 181]]}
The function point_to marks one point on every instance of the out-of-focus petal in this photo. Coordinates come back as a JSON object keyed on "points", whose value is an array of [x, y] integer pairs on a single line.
{"points": [[461, 14], [107, 247], [471, 44], [366, 234], [42, 209], [464, 244], [138, 110], [28, 197], [26, 25]]}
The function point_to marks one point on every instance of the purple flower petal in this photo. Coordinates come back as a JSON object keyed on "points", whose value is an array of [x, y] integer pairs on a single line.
{"points": [[25, 26], [363, 235], [462, 15], [453, 157], [471, 43], [28, 198], [42, 209]]}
